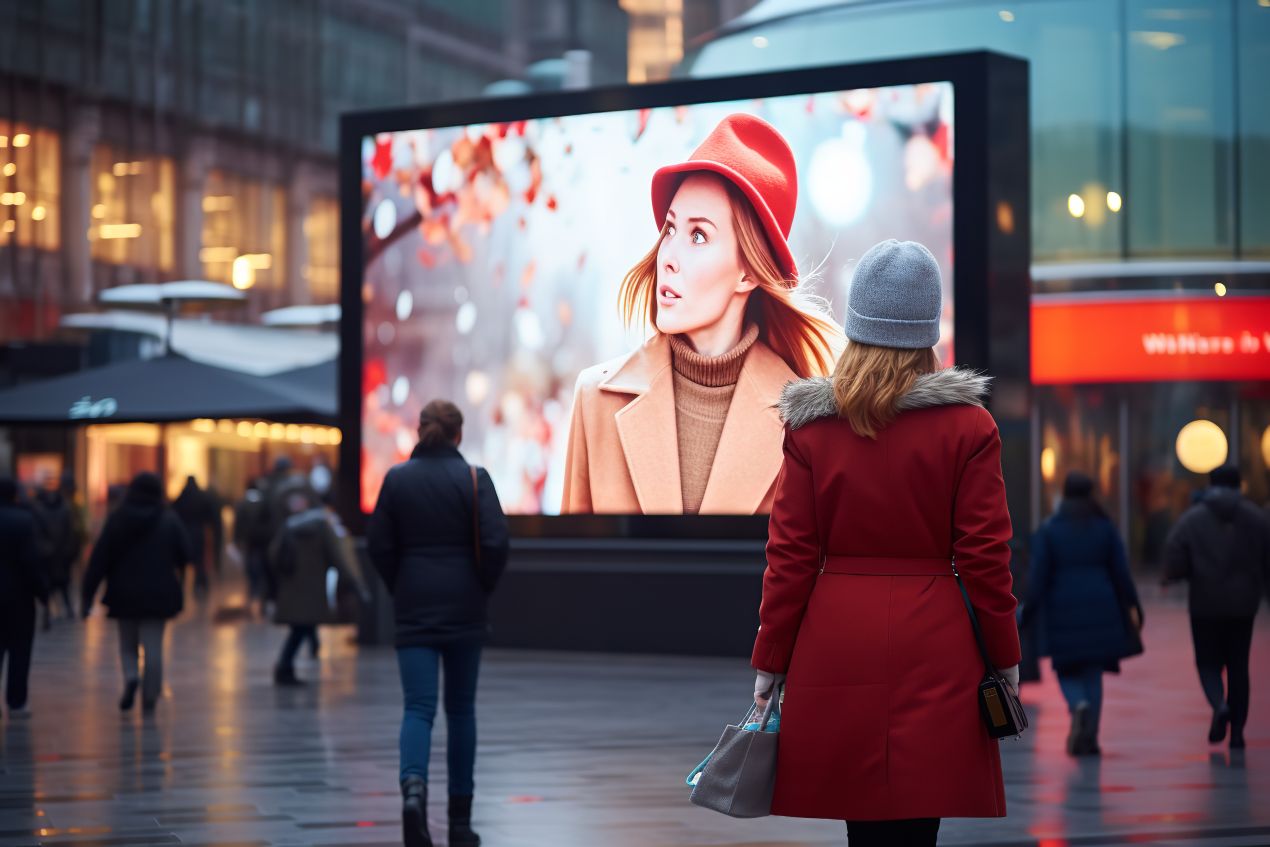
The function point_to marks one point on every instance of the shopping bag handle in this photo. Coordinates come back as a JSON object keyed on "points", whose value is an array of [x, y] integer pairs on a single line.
{"points": [[772, 707]]}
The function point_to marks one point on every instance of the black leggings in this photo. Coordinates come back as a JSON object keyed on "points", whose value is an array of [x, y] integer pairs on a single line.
{"points": [[918, 832]]}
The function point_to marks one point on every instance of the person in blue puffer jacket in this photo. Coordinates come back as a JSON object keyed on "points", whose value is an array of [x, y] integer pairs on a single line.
{"points": [[1083, 602]]}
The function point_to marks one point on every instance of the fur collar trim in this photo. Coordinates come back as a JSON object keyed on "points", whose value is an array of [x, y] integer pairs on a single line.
{"points": [[809, 399]]}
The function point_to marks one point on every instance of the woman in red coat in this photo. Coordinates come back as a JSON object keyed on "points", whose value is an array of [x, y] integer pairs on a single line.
{"points": [[892, 467]]}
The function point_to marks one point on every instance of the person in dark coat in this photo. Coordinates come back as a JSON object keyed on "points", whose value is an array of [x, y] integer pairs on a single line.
{"points": [[890, 469], [22, 584], [141, 554], [1221, 546], [251, 537], [55, 515], [200, 516], [439, 539], [304, 549], [1084, 603]]}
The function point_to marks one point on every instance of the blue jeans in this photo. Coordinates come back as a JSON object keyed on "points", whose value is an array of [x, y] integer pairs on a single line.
{"points": [[1083, 685], [418, 666]]}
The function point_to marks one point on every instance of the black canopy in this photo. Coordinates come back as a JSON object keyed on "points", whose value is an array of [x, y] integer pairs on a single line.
{"points": [[169, 388]]}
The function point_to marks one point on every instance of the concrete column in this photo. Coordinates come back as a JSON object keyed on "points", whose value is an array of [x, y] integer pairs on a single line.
{"points": [[191, 185], [83, 130]]}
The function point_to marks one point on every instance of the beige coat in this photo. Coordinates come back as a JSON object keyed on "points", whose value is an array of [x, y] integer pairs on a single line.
{"points": [[623, 453]]}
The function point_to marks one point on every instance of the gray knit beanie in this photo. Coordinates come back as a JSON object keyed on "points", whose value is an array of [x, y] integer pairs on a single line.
{"points": [[896, 297]]}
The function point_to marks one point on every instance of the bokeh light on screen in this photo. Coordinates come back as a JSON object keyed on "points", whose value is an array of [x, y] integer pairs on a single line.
{"points": [[493, 254]]}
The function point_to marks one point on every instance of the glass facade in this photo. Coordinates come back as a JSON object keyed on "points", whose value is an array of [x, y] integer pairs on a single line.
{"points": [[30, 183], [244, 232], [133, 216], [1150, 128], [322, 246]]}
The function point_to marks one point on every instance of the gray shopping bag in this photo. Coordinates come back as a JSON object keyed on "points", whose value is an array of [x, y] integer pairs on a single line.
{"points": [[737, 779]]}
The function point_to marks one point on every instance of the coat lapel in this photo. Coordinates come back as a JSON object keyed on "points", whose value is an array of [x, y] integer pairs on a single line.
{"points": [[646, 427], [751, 446]]}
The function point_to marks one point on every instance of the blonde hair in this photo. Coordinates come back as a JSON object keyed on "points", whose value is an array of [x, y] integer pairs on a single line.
{"points": [[794, 325], [868, 382]]}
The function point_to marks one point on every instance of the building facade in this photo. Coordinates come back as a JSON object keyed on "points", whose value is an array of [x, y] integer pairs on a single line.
{"points": [[1150, 145]]}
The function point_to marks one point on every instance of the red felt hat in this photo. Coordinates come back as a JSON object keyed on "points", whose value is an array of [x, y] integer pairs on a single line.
{"points": [[753, 155]]}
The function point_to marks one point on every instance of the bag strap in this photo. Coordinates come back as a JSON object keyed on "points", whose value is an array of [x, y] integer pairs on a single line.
{"points": [[974, 620], [476, 519]]}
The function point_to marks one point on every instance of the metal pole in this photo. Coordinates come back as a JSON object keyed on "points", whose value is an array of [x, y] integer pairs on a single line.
{"points": [[1124, 471]]}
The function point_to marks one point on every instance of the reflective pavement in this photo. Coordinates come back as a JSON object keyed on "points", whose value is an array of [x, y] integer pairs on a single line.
{"points": [[574, 750]]}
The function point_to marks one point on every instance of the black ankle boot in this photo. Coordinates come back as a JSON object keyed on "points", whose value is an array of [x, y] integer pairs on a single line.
{"points": [[129, 695], [461, 834], [414, 812]]}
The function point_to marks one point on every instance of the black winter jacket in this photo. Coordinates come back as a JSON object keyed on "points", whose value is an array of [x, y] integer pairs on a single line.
{"points": [[421, 540], [1222, 546], [142, 554], [22, 579]]}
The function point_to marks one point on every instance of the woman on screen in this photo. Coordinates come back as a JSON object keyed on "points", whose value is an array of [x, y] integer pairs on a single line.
{"points": [[687, 423]]}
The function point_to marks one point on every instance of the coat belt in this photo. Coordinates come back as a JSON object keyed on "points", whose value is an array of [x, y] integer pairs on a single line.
{"points": [[889, 565]]}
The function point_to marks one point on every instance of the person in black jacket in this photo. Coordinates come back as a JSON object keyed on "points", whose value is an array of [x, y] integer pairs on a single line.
{"points": [[1085, 605], [141, 554], [439, 539], [22, 583], [1222, 546]]}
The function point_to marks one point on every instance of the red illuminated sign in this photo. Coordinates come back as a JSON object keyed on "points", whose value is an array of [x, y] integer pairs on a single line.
{"points": [[1150, 340]]}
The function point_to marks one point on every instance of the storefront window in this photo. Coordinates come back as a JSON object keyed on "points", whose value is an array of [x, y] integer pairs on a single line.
{"points": [[133, 209], [244, 232], [1253, 28], [1180, 106], [322, 244], [1080, 431], [30, 186]]}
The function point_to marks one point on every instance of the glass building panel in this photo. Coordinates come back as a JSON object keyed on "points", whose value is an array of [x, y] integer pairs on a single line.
{"points": [[1074, 48], [30, 186], [1253, 69], [322, 247], [1080, 431], [244, 232], [133, 209], [1180, 109]]}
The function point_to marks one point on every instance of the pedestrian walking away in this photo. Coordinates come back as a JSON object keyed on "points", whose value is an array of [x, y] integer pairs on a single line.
{"points": [[141, 555], [22, 585], [892, 467], [1221, 546], [439, 540], [58, 522], [305, 548], [1083, 603]]}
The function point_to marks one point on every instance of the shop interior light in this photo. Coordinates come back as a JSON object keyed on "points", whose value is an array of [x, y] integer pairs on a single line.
{"points": [[1265, 446], [120, 231], [10, 168], [1201, 446], [1049, 464], [277, 432], [1220, 288], [22, 139], [1114, 201], [4, 141], [1075, 205], [243, 275], [99, 211], [244, 429], [260, 430], [38, 213]]}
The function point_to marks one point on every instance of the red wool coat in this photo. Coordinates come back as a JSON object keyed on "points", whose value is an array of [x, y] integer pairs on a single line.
{"points": [[860, 608]]}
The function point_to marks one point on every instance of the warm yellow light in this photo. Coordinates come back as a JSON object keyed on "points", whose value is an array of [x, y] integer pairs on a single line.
{"points": [[1006, 15], [293, 432], [19, 198], [337, 436], [1049, 464], [1201, 446], [10, 226], [4, 141], [244, 429], [211, 255], [218, 203], [260, 430], [277, 432], [120, 231], [321, 436], [21, 139], [1265, 436], [1220, 288], [306, 434], [259, 261], [38, 213], [242, 274], [1075, 205], [99, 211], [225, 426], [1114, 201], [6, 199], [203, 425], [10, 168]]}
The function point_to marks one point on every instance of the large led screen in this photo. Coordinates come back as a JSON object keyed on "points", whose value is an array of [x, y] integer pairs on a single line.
{"points": [[615, 299]]}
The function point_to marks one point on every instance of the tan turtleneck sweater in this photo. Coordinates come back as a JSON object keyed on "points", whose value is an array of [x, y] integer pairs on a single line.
{"points": [[703, 392]]}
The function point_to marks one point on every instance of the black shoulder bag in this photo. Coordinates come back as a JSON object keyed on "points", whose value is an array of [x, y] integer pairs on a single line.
{"points": [[998, 703]]}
